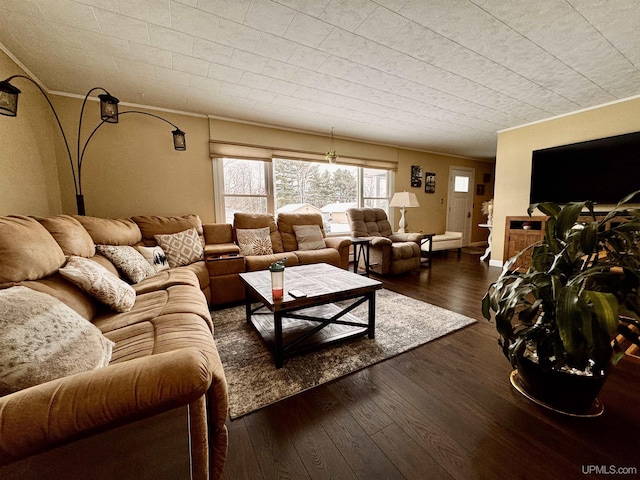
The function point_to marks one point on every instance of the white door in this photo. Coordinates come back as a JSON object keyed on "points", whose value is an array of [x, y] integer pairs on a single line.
{"points": [[460, 202]]}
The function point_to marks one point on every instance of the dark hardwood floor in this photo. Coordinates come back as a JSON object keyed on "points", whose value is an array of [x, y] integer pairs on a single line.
{"points": [[445, 410]]}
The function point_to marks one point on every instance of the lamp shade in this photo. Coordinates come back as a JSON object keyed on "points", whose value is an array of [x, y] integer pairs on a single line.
{"points": [[108, 108], [8, 99], [404, 199], [179, 141]]}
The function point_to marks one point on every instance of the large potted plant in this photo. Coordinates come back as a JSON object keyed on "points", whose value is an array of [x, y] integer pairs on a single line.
{"points": [[558, 320]]}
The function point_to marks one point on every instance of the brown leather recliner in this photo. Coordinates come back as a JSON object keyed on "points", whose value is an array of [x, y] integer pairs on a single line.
{"points": [[391, 253]]}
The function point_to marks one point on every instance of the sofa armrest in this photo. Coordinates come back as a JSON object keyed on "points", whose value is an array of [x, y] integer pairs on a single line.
{"points": [[337, 242], [406, 237], [40, 417], [220, 249], [380, 241], [215, 233]]}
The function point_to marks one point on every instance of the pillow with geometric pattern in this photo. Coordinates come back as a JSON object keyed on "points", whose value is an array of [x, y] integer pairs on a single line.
{"points": [[254, 241], [182, 248]]}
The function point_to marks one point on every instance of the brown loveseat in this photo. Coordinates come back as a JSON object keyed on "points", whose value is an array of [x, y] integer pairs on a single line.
{"points": [[164, 354], [225, 282]]}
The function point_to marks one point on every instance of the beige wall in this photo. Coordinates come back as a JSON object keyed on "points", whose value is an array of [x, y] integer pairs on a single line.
{"points": [[131, 168], [431, 216], [28, 175], [513, 160]]}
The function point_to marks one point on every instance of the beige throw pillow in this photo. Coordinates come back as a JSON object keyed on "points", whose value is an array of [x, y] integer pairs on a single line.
{"points": [[155, 256], [182, 248], [44, 339], [128, 260], [100, 283], [309, 237], [254, 241]]}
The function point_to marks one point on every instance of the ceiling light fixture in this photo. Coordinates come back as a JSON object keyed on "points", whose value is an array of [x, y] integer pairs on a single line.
{"points": [[331, 156], [108, 114]]}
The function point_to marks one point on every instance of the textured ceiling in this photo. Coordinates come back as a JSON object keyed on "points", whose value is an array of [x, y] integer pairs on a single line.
{"points": [[439, 75]]}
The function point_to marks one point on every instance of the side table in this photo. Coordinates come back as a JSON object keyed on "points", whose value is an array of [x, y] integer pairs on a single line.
{"points": [[426, 254], [361, 249]]}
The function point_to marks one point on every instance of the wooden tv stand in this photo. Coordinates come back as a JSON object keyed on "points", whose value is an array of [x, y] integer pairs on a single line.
{"points": [[517, 237]]}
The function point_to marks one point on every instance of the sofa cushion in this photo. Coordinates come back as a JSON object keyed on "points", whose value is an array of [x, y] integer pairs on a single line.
{"points": [[68, 293], [128, 260], [369, 222], [402, 250], [260, 220], [286, 222], [181, 248], [323, 255], [174, 299], [72, 237], [262, 262], [167, 278], [27, 250], [151, 225], [100, 283], [254, 241], [107, 231], [155, 256], [48, 340], [309, 237]]}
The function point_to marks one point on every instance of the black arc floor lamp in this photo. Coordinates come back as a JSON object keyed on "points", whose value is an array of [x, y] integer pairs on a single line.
{"points": [[108, 114]]}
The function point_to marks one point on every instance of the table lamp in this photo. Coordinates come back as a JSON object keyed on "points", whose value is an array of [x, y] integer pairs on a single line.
{"points": [[403, 200]]}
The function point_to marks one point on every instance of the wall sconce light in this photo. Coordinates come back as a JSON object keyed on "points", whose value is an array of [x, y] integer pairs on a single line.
{"points": [[108, 114], [403, 200]]}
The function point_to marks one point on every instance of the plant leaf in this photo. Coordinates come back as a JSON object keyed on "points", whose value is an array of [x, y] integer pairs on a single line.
{"points": [[567, 218], [571, 312], [605, 309], [589, 238], [548, 208]]}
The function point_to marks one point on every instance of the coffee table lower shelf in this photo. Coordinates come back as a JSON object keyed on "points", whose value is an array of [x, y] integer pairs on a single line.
{"points": [[308, 329]]}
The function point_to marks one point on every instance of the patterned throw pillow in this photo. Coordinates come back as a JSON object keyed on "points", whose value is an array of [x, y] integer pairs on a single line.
{"points": [[182, 248], [254, 241], [128, 260], [155, 256], [44, 339], [100, 283], [309, 237]]}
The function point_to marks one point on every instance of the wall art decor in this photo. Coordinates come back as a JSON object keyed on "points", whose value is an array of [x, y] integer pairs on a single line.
{"points": [[429, 182], [416, 176]]}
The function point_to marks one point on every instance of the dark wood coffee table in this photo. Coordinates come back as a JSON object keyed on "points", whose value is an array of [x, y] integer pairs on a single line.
{"points": [[295, 325]]}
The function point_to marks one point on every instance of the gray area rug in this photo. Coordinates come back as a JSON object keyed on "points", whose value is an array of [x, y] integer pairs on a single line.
{"points": [[402, 323]]}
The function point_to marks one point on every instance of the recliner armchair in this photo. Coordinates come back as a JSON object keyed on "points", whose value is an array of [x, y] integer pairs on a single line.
{"points": [[390, 253]]}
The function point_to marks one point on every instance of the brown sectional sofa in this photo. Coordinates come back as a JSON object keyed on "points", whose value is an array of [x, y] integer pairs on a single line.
{"points": [[164, 355]]}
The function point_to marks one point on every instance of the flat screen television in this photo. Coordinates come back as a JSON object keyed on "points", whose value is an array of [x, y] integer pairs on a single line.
{"points": [[603, 171]]}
